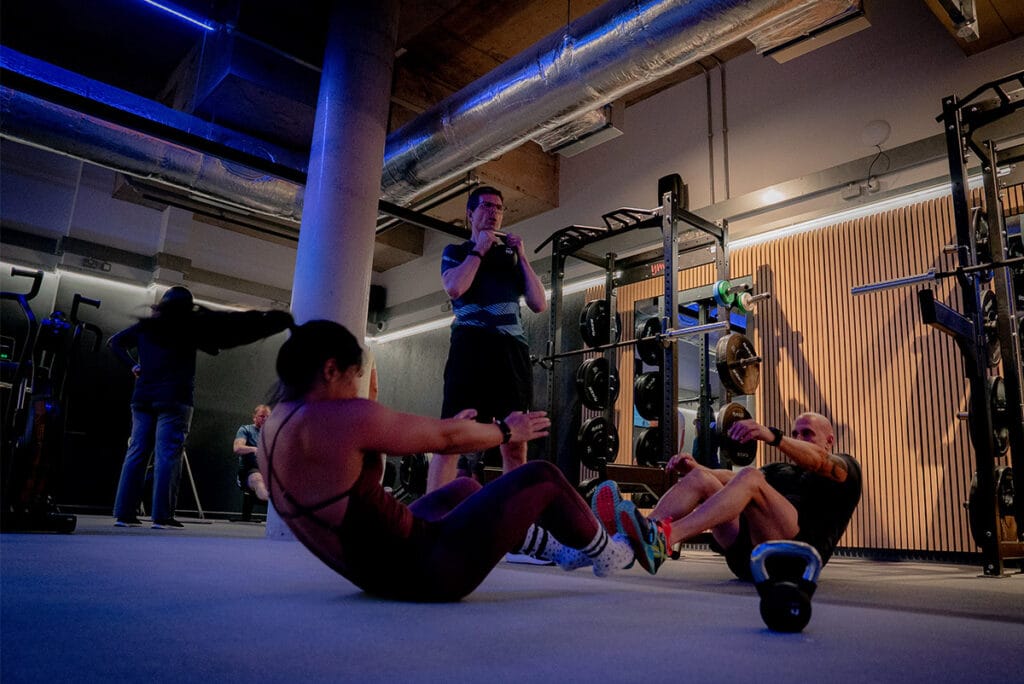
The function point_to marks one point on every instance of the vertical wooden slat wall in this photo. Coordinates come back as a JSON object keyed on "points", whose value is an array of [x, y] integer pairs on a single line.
{"points": [[892, 385]]}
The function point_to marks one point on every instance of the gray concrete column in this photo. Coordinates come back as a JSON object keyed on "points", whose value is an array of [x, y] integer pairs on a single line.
{"points": [[336, 237]]}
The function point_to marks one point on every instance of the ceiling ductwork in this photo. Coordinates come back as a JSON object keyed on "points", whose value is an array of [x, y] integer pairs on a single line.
{"points": [[617, 48], [592, 62], [40, 123]]}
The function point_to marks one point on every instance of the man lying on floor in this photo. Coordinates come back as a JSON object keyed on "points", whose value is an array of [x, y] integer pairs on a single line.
{"points": [[809, 498]]}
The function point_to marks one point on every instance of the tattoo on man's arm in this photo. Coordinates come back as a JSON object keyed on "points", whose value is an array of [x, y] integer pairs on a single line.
{"points": [[834, 468]]}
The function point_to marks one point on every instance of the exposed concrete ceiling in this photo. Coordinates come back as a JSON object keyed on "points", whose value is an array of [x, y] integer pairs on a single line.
{"points": [[261, 78]]}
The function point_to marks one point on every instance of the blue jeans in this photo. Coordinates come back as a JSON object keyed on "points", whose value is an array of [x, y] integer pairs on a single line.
{"points": [[161, 427]]}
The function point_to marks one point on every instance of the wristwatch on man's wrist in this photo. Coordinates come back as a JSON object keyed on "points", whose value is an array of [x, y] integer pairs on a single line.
{"points": [[777, 436], [506, 431]]}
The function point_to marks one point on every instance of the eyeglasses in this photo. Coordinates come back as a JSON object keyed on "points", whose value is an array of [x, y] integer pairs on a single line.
{"points": [[490, 205]]}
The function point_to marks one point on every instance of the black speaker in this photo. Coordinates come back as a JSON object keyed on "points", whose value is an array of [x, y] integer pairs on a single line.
{"points": [[680, 193]]}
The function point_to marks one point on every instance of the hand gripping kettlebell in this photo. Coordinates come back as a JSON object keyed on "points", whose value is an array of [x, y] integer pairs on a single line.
{"points": [[786, 600]]}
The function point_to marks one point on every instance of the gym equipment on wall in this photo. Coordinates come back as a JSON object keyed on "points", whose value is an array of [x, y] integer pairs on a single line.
{"points": [[988, 331], [682, 232], [36, 417], [735, 360], [786, 600]]}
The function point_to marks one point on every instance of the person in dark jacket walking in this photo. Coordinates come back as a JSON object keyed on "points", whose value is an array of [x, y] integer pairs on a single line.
{"points": [[164, 365]]}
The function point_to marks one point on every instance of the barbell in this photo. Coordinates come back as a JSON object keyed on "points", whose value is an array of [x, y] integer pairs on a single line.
{"points": [[933, 274], [671, 335], [739, 370]]}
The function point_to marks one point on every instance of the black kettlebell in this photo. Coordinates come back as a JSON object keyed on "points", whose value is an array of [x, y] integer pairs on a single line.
{"points": [[785, 601]]}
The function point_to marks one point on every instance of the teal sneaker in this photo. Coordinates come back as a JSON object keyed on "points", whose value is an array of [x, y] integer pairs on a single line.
{"points": [[604, 503], [647, 539]]}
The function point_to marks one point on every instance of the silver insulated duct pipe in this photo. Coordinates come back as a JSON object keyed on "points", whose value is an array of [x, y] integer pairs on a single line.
{"points": [[595, 60]]}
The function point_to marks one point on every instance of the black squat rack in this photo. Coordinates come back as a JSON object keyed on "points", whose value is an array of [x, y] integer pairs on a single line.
{"points": [[688, 241]]}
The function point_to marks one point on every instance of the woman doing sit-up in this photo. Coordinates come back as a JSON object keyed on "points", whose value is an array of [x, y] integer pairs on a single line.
{"points": [[320, 455]]}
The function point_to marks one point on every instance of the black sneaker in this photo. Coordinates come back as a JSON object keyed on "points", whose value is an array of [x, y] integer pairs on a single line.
{"points": [[168, 524], [127, 522]]}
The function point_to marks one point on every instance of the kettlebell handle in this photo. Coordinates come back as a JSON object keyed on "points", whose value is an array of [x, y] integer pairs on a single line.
{"points": [[762, 552]]}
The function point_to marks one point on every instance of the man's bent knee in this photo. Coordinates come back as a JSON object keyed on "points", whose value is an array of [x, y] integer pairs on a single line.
{"points": [[751, 478]]}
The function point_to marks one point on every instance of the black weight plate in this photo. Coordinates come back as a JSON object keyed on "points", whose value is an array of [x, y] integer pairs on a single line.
{"points": [[989, 313], [649, 350], [979, 222], [731, 352], [598, 442], [594, 323], [741, 454], [1003, 482], [1000, 414], [648, 447], [647, 395], [597, 383]]}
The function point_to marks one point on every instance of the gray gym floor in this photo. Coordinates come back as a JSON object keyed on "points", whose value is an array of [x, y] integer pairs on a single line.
{"points": [[220, 603]]}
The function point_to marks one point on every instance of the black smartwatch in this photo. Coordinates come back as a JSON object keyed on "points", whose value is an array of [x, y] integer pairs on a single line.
{"points": [[778, 435], [475, 253], [506, 431]]}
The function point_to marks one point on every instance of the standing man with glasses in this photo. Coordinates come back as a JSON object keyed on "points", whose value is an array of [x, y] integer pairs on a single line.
{"points": [[488, 366]]}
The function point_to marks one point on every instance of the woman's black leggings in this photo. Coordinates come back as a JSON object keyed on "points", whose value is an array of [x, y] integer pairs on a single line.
{"points": [[474, 527]]}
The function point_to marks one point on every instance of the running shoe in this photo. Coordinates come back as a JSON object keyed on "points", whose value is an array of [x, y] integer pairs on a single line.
{"points": [[526, 559], [167, 524], [604, 503], [127, 522], [647, 538]]}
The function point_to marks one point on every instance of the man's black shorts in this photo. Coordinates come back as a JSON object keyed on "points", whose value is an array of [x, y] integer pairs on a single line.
{"points": [[487, 371]]}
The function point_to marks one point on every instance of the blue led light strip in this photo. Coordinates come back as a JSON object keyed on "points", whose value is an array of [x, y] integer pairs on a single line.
{"points": [[171, 9]]}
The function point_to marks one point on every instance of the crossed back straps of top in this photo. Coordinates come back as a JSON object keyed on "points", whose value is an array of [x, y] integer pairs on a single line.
{"points": [[300, 510]]}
